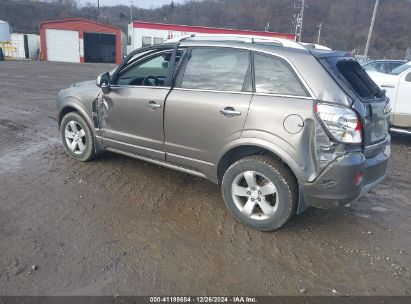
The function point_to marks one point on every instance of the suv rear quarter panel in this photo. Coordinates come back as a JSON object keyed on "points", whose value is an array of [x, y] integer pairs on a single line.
{"points": [[265, 121], [308, 151]]}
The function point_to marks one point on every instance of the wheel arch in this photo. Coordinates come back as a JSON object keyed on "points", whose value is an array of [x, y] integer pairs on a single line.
{"points": [[72, 106], [75, 107], [243, 149]]}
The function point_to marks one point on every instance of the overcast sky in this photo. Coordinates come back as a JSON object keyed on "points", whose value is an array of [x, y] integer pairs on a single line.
{"points": [[138, 3]]}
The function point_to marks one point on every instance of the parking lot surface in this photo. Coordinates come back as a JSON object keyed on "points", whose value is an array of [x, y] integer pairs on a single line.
{"points": [[119, 226]]}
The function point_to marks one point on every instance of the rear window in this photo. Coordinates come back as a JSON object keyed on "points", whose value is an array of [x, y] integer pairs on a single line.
{"points": [[357, 78]]}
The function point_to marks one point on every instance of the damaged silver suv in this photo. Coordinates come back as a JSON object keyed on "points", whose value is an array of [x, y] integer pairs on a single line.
{"points": [[279, 127]]}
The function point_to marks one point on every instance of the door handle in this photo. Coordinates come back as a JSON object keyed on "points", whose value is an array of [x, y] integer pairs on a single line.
{"points": [[230, 112], [153, 105], [388, 85]]}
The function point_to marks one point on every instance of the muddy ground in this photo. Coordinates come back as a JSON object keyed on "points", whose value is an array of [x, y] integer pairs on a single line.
{"points": [[121, 226]]}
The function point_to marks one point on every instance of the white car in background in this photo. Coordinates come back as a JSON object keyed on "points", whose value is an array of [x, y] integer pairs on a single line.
{"points": [[397, 85]]}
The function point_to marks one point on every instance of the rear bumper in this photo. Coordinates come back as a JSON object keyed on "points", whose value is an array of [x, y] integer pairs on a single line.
{"points": [[337, 184]]}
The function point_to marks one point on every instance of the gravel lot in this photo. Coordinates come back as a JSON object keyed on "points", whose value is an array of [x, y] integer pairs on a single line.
{"points": [[121, 226]]}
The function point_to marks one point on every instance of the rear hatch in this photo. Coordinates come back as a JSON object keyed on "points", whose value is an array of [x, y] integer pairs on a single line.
{"points": [[369, 100]]}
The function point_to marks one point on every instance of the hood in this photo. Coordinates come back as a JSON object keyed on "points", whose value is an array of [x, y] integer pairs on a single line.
{"points": [[88, 83], [84, 91], [380, 78]]}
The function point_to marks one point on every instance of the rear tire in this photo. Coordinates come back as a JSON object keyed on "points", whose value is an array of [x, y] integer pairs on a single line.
{"points": [[78, 140], [260, 192]]}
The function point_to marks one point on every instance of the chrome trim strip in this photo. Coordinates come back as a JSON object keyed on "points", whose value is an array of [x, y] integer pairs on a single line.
{"points": [[284, 95], [131, 145], [213, 91], [135, 86], [245, 93], [401, 131], [159, 163], [191, 159], [245, 47]]}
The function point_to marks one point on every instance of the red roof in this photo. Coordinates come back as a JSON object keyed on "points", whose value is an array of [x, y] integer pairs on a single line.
{"points": [[77, 20], [208, 30]]}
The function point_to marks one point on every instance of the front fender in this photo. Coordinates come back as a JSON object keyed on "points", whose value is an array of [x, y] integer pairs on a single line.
{"points": [[71, 103]]}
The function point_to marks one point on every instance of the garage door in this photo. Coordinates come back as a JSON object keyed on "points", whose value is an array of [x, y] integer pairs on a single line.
{"points": [[62, 45]]}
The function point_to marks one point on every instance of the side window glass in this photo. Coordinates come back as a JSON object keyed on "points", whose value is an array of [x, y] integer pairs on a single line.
{"points": [[387, 67], [273, 76], [216, 69], [378, 67], [393, 66], [151, 72], [370, 67]]}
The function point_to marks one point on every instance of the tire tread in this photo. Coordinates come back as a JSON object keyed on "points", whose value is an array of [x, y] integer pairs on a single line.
{"points": [[77, 116], [284, 173]]}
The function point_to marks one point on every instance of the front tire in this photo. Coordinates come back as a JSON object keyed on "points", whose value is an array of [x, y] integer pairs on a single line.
{"points": [[77, 137], [260, 192]]}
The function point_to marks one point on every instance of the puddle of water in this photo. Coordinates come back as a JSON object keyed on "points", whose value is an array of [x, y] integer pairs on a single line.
{"points": [[379, 209], [11, 160], [363, 215]]}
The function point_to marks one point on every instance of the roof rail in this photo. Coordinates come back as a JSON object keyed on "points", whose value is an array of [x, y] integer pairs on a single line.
{"points": [[308, 45], [238, 38]]}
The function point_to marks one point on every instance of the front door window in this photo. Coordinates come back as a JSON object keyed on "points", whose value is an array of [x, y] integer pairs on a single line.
{"points": [[150, 72]]}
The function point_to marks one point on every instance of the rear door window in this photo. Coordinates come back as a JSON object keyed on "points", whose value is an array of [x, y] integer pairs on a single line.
{"points": [[273, 76], [216, 69]]}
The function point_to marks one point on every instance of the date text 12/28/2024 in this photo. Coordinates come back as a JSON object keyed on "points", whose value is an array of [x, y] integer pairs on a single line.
{"points": [[203, 300]]}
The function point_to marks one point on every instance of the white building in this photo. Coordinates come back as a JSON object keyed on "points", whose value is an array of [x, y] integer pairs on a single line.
{"points": [[25, 46], [142, 34]]}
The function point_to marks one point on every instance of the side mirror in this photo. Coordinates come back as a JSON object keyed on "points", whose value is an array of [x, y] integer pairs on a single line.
{"points": [[103, 81], [408, 77]]}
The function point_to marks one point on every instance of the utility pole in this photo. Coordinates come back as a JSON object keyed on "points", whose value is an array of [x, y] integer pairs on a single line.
{"points": [[302, 19], [98, 10], [374, 14], [131, 12], [319, 32]]}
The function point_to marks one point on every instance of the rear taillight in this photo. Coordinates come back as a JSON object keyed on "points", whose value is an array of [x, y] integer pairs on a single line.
{"points": [[342, 123]]}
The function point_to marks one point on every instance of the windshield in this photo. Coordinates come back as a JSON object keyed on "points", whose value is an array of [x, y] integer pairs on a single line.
{"points": [[401, 69]]}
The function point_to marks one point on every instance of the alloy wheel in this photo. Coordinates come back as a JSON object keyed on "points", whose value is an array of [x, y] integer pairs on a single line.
{"points": [[254, 195], [75, 137]]}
